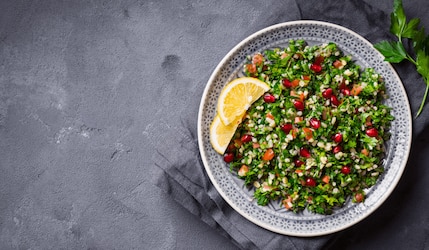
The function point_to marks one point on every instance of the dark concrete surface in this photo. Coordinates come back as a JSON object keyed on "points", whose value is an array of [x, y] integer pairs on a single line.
{"points": [[76, 79], [82, 83]]}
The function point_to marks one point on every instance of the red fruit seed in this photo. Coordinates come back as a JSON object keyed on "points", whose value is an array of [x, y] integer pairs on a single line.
{"points": [[346, 170], [269, 98], [298, 163], [299, 105], [304, 152], [338, 137], [287, 83], [286, 127], [246, 138], [310, 182], [316, 68], [228, 157], [334, 100], [372, 132], [315, 123], [327, 93], [337, 149]]}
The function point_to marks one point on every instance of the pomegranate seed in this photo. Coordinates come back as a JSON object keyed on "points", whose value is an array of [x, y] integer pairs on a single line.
{"points": [[315, 123], [299, 105], [310, 182], [338, 137], [346, 92], [298, 162], [286, 127], [334, 100], [342, 86], [337, 149], [287, 83], [316, 68], [228, 157], [269, 98], [327, 93], [246, 138], [304, 152], [319, 60], [372, 132], [346, 170]]}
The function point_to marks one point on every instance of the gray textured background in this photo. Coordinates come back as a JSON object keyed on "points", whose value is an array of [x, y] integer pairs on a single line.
{"points": [[79, 84], [83, 87]]}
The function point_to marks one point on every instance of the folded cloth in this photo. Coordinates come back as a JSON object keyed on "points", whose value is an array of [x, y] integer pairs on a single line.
{"points": [[186, 181], [176, 143]]}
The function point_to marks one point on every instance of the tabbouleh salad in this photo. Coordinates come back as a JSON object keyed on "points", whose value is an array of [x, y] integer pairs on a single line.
{"points": [[315, 139]]}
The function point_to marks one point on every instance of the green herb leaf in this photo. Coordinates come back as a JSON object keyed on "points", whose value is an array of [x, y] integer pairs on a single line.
{"points": [[395, 52], [392, 51], [397, 19], [411, 28], [422, 66]]}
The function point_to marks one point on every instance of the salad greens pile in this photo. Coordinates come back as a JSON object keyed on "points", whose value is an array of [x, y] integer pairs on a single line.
{"points": [[395, 52], [315, 139]]}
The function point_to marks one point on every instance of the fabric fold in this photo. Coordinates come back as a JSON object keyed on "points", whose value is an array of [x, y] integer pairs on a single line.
{"points": [[185, 179]]}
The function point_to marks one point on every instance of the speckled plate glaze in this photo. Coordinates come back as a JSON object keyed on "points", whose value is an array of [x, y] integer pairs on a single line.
{"points": [[273, 217]]}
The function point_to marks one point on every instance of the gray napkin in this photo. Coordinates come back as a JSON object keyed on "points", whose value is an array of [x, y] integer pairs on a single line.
{"points": [[174, 137]]}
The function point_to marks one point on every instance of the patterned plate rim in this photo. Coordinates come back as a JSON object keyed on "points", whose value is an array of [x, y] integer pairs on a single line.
{"points": [[309, 224]]}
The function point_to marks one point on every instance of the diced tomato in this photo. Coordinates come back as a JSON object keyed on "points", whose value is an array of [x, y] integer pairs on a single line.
{"points": [[308, 133], [238, 143], [287, 203], [257, 59], [306, 78], [268, 155], [298, 171], [298, 119], [295, 132], [269, 115], [326, 179], [256, 145], [359, 197], [368, 122], [356, 90], [295, 83], [365, 152], [295, 94], [243, 170], [251, 68], [337, 64]]}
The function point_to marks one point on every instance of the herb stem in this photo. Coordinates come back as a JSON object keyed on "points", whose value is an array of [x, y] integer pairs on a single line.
{"points": [[409, 58], [424, 98]]}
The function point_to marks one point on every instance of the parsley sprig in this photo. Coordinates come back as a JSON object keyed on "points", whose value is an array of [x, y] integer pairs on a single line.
{"points": [[418, 52]]}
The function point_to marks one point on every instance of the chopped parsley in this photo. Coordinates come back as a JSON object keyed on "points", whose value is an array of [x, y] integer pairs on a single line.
{"points": [[316, 139]]}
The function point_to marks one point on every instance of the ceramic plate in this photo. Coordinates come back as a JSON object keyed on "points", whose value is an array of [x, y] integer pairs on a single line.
{"points": [[273, 217]]}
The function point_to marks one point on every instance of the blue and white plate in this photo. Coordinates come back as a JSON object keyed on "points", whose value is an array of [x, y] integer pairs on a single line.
{"points": [[273, 217]]}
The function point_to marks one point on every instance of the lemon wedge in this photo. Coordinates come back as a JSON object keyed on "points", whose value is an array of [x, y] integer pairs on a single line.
{"points": [[237, 96], [221, 134]]}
